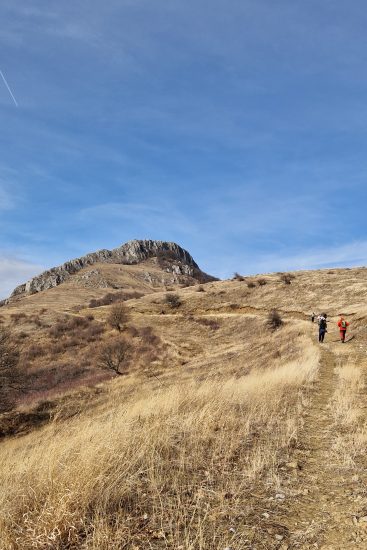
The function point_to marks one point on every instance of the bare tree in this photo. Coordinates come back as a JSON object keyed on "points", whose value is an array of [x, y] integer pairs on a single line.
{"points": [[9, 374], [115, 355], [118, 316]]}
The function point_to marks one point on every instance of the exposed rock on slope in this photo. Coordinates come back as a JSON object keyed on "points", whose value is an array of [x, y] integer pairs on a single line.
{"points": [[172, 258]]}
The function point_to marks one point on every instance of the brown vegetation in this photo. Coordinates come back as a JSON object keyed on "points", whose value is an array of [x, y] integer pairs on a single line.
{"points": [[9, 373], [114, 355], [173, 300], [118, 317]]}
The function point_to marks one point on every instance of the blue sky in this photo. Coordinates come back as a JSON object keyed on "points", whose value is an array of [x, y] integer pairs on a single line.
{"points": [[236, 128]]}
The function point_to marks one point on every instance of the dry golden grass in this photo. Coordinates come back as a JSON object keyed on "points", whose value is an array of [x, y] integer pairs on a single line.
{"points": [[350, 429], [170, 469]]}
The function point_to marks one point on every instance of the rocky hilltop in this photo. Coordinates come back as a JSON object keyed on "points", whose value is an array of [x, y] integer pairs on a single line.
{"points": [[173, 258]]}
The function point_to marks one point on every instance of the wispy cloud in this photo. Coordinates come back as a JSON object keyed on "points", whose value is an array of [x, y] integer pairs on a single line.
{"points": [[7, 201], [15, 271]]}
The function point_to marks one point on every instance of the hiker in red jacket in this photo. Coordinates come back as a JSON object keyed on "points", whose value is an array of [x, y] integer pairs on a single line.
{"points": [[342, 324]]}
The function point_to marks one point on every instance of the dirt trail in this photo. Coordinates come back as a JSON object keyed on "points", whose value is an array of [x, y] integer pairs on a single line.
{"points": [[324, 501]]}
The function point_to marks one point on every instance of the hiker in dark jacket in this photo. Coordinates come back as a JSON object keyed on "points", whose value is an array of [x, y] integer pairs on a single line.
{"points": [[322, 327]]}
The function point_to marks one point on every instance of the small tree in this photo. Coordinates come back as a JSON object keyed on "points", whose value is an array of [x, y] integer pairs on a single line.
{"points": [[173, 300], [274, 320], [9, 374], [114, 355], [118, 317]]}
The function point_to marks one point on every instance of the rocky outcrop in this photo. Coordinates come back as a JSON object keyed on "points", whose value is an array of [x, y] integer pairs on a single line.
{"points": [[175, 259]]}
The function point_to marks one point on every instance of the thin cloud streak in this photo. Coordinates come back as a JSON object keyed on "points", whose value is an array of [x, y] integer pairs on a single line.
{"points": [[9, 90], [15, 271]]}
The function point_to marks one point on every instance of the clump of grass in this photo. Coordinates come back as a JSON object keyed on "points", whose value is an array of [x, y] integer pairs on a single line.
{"points": [[251, 284], [261, 281]]}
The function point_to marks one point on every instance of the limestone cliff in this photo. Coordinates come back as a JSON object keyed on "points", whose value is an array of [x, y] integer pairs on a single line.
{"points": [[174, 258]]}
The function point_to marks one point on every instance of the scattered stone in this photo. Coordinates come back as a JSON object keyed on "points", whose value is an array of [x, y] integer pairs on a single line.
{"points": [[266, 515], [279, 537], [280, 496], [292, 465], [363, 519], [145, 516], [232, 530]]}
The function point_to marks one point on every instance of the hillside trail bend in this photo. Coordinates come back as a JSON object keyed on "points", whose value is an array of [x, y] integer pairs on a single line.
{"points": [[325, 505], [327, 501]]}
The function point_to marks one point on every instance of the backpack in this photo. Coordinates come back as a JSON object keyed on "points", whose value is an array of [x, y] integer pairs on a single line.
{"points": [[344, 324], [322, 323]]}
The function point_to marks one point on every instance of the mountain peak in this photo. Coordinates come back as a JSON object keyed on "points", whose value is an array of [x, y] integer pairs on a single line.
{"points": [[177, 260]]}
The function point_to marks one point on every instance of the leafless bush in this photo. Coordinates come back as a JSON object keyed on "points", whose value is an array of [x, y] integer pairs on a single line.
{"points": [[9, 374], [16, 317], [200, 289], [32, 352], [173, 301], [251, 284], [132, 331], [274, 320], [148, 336], [286, 278], [84, 329], [113, 297], [114, 355], [118, 317], [213, 324], [261, 281], [237, 277]]}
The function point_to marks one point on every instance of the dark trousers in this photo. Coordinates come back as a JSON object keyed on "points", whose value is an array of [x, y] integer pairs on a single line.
{"points": [[321, 334], [342, 335]]}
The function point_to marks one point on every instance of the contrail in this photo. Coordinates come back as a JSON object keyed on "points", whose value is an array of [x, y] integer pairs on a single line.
{"points": [[9, 90]]}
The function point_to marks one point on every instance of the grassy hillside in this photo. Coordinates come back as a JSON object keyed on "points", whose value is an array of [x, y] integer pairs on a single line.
{"points": [[222, 434]]}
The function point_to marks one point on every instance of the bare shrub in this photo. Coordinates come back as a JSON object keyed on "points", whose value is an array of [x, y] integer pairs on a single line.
{"points": [[274, 320], [213, 324], [286, 278], [200, 289], [32, 352], [16, 317], [83, 329], [9, 374], [261, 281], [114, 355], [113, 297], [251, 284], [132, 331], [118, 317], [173, 300], [147, 334], [237, 277]]}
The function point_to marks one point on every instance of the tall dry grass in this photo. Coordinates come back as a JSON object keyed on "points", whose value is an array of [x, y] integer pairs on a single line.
{"points": [[350, 429], [174, 469]]}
